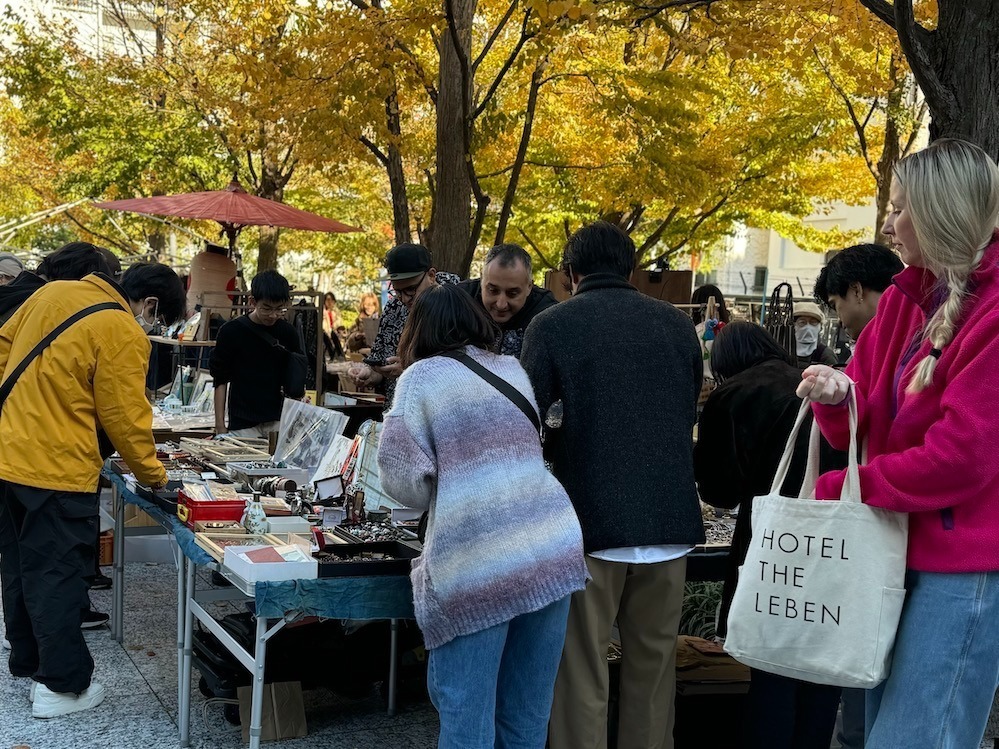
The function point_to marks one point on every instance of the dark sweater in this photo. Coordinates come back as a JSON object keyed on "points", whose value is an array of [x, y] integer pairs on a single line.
{"points": [[254, 369], [740, 440], [512, 331], [628, 370]]}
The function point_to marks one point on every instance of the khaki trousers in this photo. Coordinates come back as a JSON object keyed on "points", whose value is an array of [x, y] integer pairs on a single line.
{"points": [[646, 599]]}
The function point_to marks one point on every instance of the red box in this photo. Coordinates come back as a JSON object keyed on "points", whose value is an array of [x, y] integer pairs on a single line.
{"points": [[191, 511]]}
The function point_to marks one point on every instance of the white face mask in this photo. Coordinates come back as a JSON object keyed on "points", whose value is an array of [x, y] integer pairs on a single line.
{"points": [[149, 327], [808, 338]]}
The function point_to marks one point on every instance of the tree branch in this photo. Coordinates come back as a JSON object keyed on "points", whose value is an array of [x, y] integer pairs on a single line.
{"points": [[518, 164], [494, 35], [916, 41], [857, 125], [524, 36], [103, 237], [537, 250], [655, 236], [881, 9], [371, 146]]}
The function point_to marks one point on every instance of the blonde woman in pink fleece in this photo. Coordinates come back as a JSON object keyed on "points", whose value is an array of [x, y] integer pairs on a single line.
{"points": [[921, 374]]}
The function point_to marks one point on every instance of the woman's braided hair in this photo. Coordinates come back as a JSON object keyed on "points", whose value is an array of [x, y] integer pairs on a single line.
{"points": [[952, 195]]}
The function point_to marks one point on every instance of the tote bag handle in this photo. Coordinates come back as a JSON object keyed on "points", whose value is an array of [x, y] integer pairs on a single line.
{"points": [[851, 486]]}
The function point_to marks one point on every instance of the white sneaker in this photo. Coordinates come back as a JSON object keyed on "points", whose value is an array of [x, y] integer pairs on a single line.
{"points": [[49, 704], [6, 644]]}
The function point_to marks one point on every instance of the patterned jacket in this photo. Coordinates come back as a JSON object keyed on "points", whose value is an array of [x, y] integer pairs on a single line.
{"points": [[390, 331]]}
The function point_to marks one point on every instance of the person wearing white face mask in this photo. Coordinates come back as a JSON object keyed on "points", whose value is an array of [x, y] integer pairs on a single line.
{"points": [[72, 360], [808, 319]]}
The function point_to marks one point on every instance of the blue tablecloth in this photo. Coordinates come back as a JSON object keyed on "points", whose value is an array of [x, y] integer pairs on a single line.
{"points": [[386, 597], [171, 523]]}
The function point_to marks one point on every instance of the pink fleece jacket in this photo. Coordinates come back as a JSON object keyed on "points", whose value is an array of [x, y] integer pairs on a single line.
{"points": [[932, 454]]}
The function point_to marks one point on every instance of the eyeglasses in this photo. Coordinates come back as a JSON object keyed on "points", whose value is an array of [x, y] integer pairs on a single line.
{"points": [[404, 295], [271, 310], [803, 321]]}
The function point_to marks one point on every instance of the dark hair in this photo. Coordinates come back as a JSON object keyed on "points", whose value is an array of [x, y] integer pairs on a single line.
{"points": [[701, 296], [599, 248], [329, 295], [73, 261], [870, 265], [143, 280], [270, 286], [445, 318], [741, 345], [508, 255]]}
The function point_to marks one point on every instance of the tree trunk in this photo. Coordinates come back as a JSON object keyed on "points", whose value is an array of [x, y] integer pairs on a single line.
{"points": [[272, 188], [892, 148], [963, 55], [157, 243], [954, 65], [267, 250], [449, 232], [396, 175]]}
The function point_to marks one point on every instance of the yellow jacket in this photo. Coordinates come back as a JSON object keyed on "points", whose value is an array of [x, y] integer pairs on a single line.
{"points": [[93, 374]]}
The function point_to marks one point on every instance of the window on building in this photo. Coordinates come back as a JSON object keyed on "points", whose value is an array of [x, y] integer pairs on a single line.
{"points": [[759, 279]]}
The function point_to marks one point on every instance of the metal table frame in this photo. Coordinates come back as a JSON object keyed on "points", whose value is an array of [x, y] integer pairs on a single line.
{"points": [[190, 605], [251, 661]]}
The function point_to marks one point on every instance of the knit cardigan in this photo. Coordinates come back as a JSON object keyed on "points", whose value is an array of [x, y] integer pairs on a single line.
{"points": [[502, 539]]}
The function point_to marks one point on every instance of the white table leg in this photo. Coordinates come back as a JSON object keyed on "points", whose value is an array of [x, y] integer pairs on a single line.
{"points": [[184, 693], [257, 700]]}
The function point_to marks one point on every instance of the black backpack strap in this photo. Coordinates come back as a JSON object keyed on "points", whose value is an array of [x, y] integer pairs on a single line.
{"points": [[11, 380], [518, 398]]}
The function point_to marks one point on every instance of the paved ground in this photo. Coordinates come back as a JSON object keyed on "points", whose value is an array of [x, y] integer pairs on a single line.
{"points": [[140, 711]]}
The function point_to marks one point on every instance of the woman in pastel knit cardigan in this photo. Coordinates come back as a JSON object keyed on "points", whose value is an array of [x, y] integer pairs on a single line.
{"points": [[503, 551]]}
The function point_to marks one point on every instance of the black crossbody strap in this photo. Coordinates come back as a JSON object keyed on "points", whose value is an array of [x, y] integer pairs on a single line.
{"points": [[9, 382], [264, 335], [518, 398]]}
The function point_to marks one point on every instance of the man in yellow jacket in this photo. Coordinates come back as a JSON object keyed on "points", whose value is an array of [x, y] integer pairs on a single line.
{"points": [[92, 375]]}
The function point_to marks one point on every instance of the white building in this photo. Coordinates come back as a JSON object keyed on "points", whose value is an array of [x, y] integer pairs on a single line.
{"points": [[759, 259], [100, 26]]}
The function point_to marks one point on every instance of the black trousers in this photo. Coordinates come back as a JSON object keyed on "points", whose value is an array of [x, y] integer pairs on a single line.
{"points": [[784, 713], [46, 553]]}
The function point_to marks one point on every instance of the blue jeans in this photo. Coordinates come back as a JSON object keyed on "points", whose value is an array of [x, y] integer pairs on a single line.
{"points": [[494, 688], [945, 667]]}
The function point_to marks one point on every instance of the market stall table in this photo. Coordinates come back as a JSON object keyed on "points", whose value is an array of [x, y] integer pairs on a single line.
{"points": [[276, 604]]}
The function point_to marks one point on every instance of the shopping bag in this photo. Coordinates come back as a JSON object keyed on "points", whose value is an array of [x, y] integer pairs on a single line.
{"points": [[821, 591]]}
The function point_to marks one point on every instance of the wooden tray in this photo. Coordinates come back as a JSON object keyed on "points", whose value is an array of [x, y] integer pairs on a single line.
{"points": [[215, 543]]}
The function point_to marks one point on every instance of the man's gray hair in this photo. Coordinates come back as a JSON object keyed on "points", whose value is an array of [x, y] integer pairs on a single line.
{"points": [[508, 255]]}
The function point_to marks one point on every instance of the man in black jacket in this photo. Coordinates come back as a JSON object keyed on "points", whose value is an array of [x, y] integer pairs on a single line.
{"points": [[627, 369], [507, 292]]}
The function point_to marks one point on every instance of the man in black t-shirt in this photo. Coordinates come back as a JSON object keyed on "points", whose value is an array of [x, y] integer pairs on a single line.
{"points": [[250, 361]]}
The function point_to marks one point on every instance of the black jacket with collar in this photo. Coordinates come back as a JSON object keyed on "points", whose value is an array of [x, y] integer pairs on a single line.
{"points": [[744, 427], [628, 370], [512, 331], [14, 294]]}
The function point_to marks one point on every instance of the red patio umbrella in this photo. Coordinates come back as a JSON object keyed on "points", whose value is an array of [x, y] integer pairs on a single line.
{"points": [[232, 207]]}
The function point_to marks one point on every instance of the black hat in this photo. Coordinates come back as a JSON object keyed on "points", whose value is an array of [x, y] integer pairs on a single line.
{"points": [[407, 261]]}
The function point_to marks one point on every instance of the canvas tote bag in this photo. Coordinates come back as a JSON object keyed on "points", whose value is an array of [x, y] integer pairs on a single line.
{"points": [[821, 591]]}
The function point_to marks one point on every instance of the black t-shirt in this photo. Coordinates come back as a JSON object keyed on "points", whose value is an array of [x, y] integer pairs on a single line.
{"points": [[253, 368]]}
